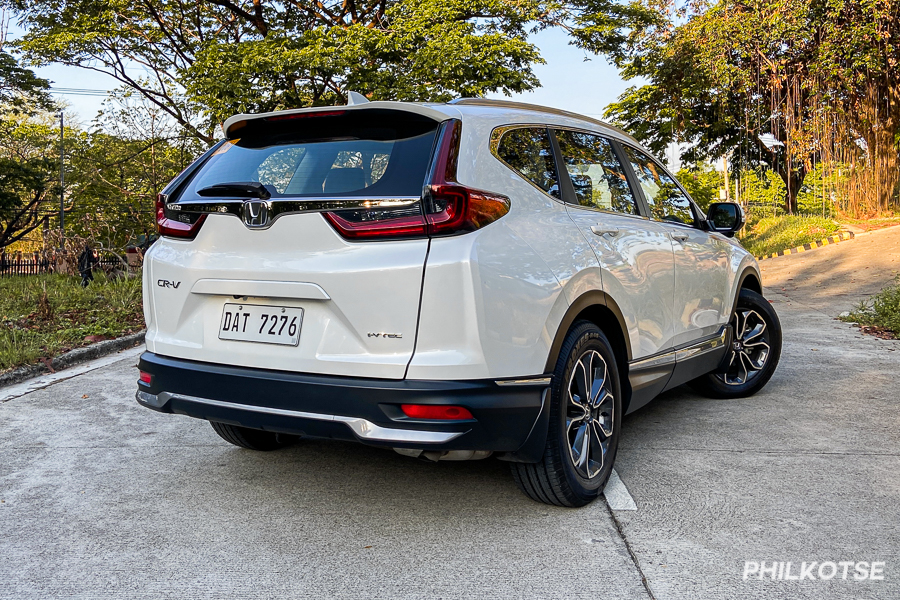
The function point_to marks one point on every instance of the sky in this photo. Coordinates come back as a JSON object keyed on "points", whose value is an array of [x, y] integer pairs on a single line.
{"points": [[571, 80]]}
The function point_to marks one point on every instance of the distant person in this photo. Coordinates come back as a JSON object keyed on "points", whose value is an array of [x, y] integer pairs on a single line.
{"points": [[86, 261]]}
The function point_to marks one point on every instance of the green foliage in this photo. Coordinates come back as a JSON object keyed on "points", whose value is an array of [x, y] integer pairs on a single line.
{"points": [[28, 175], [20, 88], [133, 151], [773, 234], [232, 57], [818, 195], [882, 310], [762, 192], [107, 308], [702, 183], [815, 74], [113, 174]]}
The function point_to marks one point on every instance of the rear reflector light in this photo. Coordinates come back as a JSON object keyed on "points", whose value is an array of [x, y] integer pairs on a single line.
{"points": [[186, 229], [436, 412], [146, 377], [447, 207]]}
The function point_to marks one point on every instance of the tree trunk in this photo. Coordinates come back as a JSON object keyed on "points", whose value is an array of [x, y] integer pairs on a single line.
{"points": [[793, 181]]}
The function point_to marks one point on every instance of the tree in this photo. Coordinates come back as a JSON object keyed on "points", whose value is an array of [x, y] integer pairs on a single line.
{"points": [[113, 173], [210, 59], [20, 88], [720, 75], [28, 176], [130, 155], [858, 69], [812, 76]]}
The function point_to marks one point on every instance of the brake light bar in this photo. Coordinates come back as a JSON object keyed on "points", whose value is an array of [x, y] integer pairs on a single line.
{"points": [[326, 113]]}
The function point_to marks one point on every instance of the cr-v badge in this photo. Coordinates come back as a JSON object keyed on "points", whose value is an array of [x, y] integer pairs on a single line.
{"points": [[165, 283]]}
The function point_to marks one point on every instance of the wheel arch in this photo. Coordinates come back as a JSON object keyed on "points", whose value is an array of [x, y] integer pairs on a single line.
{"points": [[601, 310], [750, 280]]}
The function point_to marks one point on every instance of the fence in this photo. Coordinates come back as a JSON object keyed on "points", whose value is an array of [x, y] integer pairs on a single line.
{"points": [[11, 266]]}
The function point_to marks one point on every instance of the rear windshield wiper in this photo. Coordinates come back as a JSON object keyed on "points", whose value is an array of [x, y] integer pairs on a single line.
{"points": [[237, 189]]}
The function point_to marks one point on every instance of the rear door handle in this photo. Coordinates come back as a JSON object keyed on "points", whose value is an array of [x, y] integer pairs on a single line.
{"points": [[679, 237], [600, 230]]}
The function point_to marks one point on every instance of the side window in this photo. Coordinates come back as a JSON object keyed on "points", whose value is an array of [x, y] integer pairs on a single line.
{"points": [[529, 152], [667, 201], [596, 173]]}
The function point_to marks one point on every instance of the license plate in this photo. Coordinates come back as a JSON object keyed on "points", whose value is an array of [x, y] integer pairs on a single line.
{"points": [[265, 324]]}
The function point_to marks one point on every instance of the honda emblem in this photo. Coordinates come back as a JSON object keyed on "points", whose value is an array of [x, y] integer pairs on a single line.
{"points": [[256, 213]]}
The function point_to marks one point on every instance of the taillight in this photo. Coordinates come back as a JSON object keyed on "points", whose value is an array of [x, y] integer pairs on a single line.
{"points": [[185, 227], [447, 207], [378, 223], [437, 412], [145, 377], [454, 208]]}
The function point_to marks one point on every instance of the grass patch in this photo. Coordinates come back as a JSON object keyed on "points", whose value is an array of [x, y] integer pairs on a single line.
{"points": [[42, 316], [774, 234], [879, 314]]}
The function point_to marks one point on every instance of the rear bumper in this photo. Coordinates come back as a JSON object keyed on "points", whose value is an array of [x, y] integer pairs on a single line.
{"points": [[508, 416]]}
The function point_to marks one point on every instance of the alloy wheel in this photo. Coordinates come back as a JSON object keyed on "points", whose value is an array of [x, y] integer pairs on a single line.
{"points": [[589, 414], [749, 348]]}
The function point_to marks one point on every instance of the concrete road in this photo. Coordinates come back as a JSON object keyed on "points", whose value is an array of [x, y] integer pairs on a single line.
{"points": [[100, 498], [835, 278]]}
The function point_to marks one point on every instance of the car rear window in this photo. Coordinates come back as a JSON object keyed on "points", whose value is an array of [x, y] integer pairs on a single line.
{"points": [[373, 155]]}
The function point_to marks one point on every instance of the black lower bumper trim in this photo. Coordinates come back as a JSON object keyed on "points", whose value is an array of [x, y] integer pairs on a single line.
{"points": [[366, 410]]}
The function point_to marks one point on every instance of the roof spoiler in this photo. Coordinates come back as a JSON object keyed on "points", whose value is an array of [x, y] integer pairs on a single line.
{"points": [[355, 101]]}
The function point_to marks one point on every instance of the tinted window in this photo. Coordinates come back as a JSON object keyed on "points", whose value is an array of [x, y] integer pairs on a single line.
{"points": [[667, 201], [356, 162], [529, 152], [596, 173]]}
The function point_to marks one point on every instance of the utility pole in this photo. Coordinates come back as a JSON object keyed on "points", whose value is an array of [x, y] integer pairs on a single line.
{"points": [[62, 184], [727, 183]]}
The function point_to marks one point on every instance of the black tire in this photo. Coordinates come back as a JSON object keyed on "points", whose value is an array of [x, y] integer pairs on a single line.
{"points": [[557, 478], [252, 439], [742, 378]]}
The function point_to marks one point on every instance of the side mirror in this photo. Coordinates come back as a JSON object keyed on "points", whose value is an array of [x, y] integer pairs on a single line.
{"points": [[725, 217]]}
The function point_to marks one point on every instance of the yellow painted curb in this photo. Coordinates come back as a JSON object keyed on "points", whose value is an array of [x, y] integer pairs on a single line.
{"points": [[840, 237]]}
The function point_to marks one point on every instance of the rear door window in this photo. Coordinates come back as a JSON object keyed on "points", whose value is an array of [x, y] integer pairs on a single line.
{"points": [[596, 173], [528, 151], [334, 158]]}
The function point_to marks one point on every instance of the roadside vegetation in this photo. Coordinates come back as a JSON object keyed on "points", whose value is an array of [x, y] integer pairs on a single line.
{"points": [[42, 316], [873, 223], [879, 315], [766, 235]]}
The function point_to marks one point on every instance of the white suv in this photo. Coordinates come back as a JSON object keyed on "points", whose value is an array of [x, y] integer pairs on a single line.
{"points": [[449, 280]]}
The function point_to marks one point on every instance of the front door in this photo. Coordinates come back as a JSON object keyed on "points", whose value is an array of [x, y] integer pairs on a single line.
{"points": [[702, 274]]}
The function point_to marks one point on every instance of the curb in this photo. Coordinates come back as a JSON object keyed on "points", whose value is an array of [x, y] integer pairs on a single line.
{"points": [[835, 239], [73, 357]]}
